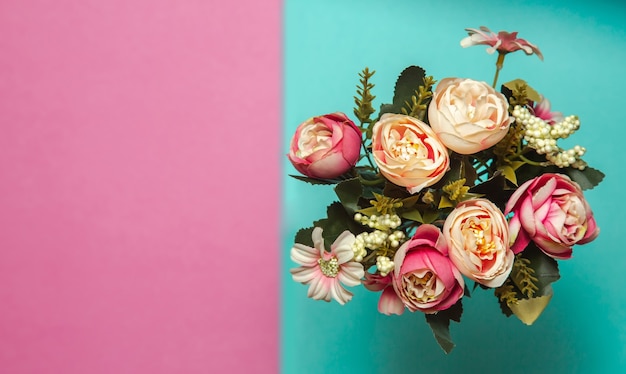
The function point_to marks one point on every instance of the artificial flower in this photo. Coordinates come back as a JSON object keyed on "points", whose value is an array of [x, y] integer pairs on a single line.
{"points": [[424, 278], [325, 146], [467, 115], [408, 152], [551, 211], [326, 273], [478, 241], [542, 109], [503, 42]]}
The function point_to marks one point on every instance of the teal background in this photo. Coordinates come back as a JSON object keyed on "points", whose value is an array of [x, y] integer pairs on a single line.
{"points": [[326, 44]]}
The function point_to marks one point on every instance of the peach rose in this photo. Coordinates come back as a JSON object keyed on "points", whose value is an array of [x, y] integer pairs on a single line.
{"points": [[325, 146], [408, 153], [467, 115], [551, 211], [478, 242]]}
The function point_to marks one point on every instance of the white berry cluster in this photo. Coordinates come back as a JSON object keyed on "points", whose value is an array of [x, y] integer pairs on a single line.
{"points": [[542, 137], [384, 265], [383, 222], [381, 238]]}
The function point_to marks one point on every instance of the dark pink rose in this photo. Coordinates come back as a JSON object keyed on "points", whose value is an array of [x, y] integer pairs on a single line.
{"points": [[551, 211], [424, 278], [325, 146]]}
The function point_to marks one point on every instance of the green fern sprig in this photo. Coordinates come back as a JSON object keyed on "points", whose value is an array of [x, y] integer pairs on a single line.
{"points": [[364, 109], [419, 101], [524, 276], [506, 293]]}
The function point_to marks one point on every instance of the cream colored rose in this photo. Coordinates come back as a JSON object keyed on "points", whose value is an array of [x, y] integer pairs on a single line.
{"points": [[478, 242], [467, 115], [407, 152]]}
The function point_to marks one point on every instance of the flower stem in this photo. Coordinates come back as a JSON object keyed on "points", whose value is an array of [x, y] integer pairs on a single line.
{"points": [[499, 64], [531, 162]]}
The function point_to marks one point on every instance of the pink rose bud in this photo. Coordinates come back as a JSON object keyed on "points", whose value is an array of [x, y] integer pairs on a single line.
{"points": [[326, 146], [424, 279], [478, 240], [551, 211], [408, 153], [467, 115]]}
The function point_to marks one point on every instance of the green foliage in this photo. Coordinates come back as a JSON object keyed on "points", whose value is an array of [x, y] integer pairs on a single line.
{"points": [[349, 193], [408, 82], [315, 181], [546, 269], [338, 220], [440, 324], [521, 92], [522, 275], [531, 277], [364, 109], [587, 178]]}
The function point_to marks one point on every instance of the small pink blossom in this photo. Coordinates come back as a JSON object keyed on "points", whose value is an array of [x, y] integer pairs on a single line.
{"points": [[503, 42], [327, 272], [542, 110]]}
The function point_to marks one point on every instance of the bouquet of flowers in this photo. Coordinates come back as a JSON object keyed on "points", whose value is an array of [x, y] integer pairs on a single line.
{"points": [[450, 188]]}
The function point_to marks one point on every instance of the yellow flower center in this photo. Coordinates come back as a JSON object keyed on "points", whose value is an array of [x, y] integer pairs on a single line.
{"points": [[404, 149], [421, 286], [484, 247], [329, 268]]}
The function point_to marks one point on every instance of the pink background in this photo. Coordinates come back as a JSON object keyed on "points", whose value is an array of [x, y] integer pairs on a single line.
{"points": [[139, 153]]}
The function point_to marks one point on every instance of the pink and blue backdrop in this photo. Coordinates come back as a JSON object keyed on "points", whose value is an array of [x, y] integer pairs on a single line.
{"points": [[141, 182]]}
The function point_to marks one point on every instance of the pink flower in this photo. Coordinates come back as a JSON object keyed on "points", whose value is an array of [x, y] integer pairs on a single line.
{"points": [[326, 146], [408, 153], [503, 42], [542, 110], [551, 211], [424, 278], [478, 240], [467, 115], [389, 302], [324, 271]]}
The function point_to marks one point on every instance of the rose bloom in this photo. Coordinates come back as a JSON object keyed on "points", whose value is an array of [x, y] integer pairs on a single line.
{"points": [[503, 42], [468, 115], [325, 146], [423, 279], [408, 153], [478, 241], [551, 211]]}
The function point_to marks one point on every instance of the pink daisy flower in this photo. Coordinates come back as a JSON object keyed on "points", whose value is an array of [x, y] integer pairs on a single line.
{"points": [[503, 42], [327, 272]]}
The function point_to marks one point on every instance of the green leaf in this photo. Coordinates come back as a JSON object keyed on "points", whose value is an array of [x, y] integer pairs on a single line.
{"points": [[440, 324], [304, 236], [587, 178], [430, 216], [509, 173], [546, 268], [338, 220], [408, 82], [349, 193], [494, 190], [530, 92], [413, 215], [314, 180]]}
